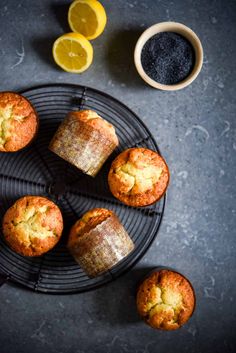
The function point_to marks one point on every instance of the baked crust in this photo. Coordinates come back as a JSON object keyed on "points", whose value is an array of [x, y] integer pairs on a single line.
{"points": [[98, 241], [85, 140], [18, 122], [94, 120], [166, 300], [138, 177], [32, 226], [88, 222]]}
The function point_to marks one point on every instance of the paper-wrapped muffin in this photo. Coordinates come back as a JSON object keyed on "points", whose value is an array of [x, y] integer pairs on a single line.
{"points": [[85, 140], [165, 300], [138, 177], [98, 241], [18, 122], [32, 226]]}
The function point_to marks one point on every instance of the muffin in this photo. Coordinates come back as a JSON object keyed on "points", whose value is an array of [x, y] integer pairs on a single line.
{"points": [[32, 226], [165, 300], [85, 140], [18, 122], [98, 241], [138, 177]]}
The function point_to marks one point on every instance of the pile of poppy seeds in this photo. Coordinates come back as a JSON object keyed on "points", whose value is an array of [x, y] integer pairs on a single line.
{"points": [[168, 58]]}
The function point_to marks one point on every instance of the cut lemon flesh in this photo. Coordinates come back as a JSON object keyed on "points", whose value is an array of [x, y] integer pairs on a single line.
{"points": [[73, 52], [87, 17]]}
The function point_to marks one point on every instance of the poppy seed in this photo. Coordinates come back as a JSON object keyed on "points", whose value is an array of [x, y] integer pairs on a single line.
{"points": [[168, 58]]}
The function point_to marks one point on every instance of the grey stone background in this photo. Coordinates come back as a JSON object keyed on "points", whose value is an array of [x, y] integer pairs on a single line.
{"points": [[195, 129]]}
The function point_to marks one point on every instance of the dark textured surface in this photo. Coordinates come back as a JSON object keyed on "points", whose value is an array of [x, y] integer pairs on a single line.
{"points": [[167, 58], [195, 129]]}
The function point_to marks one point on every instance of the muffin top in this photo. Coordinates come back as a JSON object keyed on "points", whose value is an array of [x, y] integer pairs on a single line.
{"points": [[165, 300], [91, 118], [33, 225], [18, 122], [138, 177], [89, 221]]}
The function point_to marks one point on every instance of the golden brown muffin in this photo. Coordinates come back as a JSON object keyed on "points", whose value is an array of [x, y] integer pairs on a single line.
{"points": [[85, 140], [18, 122], [98, 241], [165, 300], [138, 177], [32, 226]]}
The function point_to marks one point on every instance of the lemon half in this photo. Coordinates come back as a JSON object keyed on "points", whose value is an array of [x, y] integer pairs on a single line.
{"points": [[73, 52], [87, 17]]}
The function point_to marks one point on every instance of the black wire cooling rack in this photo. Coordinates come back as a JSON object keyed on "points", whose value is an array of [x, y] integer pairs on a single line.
{"points": [[37, 171]]}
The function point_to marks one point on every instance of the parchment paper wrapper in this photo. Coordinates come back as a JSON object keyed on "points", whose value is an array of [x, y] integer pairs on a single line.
{"points": [[102, 247], [82, 145]]}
